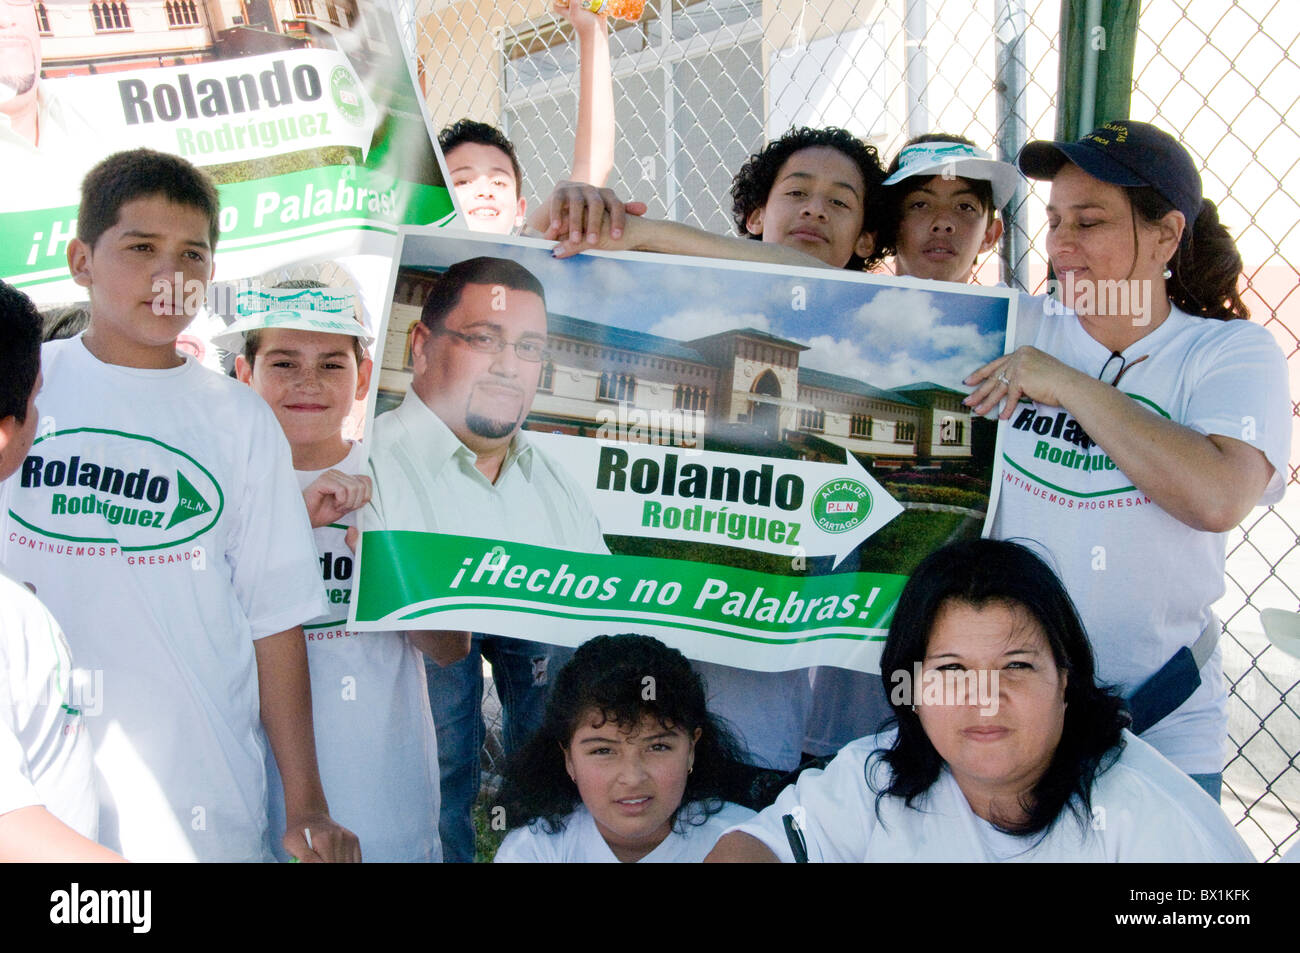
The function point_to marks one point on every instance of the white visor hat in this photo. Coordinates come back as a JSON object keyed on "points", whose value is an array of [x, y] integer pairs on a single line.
{"points": [[324, 310], [960, 160]]}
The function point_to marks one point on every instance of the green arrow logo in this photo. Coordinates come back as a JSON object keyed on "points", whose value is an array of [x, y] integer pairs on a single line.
{"points": [[190, 503]]}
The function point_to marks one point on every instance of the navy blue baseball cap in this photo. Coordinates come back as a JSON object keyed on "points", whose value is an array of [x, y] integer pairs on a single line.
{"points": [[1126, 153]]}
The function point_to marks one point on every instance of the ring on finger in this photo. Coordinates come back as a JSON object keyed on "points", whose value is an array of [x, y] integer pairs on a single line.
{"points": [[1003, 379]]}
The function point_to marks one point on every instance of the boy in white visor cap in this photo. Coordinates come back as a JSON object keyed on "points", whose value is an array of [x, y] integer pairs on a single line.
{"points": [[940, 204], [303, 350]]}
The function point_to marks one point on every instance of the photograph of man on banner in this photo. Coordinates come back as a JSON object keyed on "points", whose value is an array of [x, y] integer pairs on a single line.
{"points": [[744, 462], [476, 357]]}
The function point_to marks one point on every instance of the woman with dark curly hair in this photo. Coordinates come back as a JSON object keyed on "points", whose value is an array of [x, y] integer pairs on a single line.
{"points": [[1003, 746], [627, 766], [807, 198]]}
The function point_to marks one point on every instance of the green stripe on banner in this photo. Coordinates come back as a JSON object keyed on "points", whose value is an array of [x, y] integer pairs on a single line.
{"points": [[677, 622], [411, 575], [254, 213]]}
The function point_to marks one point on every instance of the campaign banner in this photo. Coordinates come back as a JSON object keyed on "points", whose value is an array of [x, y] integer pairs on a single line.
{"points": [[311, 125], [744, 462]]}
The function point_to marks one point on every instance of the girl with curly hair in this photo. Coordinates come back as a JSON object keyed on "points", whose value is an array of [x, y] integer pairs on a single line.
{"points": [[628, 765]]}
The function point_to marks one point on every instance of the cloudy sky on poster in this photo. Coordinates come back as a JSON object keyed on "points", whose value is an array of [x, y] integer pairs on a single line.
{"points": [[885, 334]]}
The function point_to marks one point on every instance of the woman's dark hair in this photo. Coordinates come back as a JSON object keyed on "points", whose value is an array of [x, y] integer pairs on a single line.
{"points": [[753, 183], [888, 214], [625, 678], [1207, 264], [979, 573]]}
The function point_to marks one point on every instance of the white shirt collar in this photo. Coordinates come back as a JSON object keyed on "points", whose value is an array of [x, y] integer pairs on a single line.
{"points": [[437, 445]]}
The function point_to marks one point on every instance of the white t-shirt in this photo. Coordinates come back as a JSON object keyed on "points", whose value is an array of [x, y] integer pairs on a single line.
{"points": [[1143, 581], [45, 755], [1143, 810], [161, 521], [375, 742], [581, 842]]}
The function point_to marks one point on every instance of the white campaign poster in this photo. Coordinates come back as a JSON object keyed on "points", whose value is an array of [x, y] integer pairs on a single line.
{"points": [[743, 462]]}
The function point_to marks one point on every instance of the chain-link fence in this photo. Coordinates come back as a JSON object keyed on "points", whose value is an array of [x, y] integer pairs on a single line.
{"points": [[701, 84], [1225, 76]]}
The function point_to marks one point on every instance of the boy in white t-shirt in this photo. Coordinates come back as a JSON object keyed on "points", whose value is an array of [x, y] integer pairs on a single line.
{"points": [[48, 811], [303, 352], [160, 519]]}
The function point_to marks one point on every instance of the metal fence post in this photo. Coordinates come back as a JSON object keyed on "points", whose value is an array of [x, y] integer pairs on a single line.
{"points": [[1009, 28], [918, 116]]}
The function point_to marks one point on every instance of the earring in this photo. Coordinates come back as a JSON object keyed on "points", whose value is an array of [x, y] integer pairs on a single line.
{"points": [[1168, 274], [913, 709]]}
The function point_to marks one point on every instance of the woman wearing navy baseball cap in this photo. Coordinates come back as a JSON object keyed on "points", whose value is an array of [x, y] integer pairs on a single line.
{"points": [[1147, 419]]}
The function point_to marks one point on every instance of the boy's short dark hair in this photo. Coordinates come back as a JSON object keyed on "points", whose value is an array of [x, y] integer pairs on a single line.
{"points": [[253, 339], [469, 130], [20, 351], [446, 291], [753, 183], [890, 214], [140, 173]]}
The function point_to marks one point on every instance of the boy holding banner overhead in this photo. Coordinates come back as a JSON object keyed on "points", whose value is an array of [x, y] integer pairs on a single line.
{"points": [[805, 199]]}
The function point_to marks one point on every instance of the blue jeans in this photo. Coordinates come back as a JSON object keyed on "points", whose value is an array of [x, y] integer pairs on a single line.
{"points": [[521, 671], [1211, 784]]}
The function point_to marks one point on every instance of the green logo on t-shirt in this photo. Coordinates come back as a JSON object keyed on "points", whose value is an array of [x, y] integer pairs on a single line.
{"points": [[190, 504], [1051, 447], [88, 485]]}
